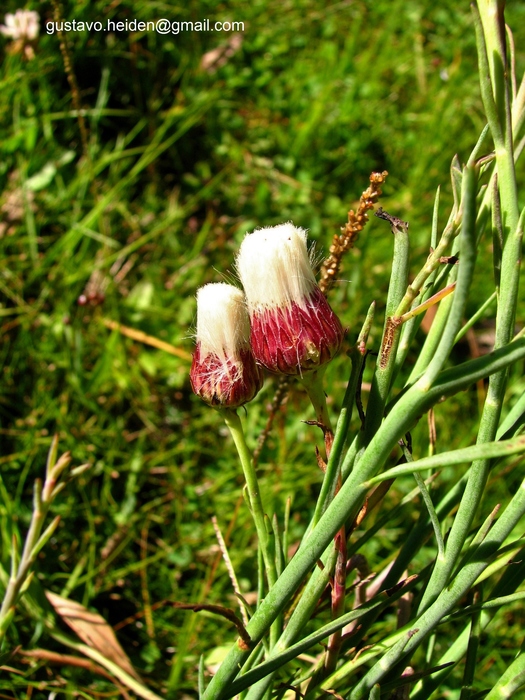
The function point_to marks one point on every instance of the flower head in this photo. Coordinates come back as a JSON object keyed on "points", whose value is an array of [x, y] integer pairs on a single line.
{"points": [[293, 328], [22, 27], [224, 372]]}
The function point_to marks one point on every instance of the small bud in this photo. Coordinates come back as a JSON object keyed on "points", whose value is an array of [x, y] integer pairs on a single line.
{"points": [[294, 330], [224, 372]]}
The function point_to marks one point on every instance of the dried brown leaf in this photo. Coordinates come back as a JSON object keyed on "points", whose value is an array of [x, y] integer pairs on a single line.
{"points": [[93, 630]]}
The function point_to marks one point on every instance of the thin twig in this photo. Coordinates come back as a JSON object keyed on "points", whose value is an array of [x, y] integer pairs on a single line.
{"points": [[229, 566], [71, 78], [223, 612], [142, 337]]}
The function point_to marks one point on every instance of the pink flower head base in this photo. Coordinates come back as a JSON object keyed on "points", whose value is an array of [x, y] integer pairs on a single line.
{"points": [[295, 339], [225, 381]]}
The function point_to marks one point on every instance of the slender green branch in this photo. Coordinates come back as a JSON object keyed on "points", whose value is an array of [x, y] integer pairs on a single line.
{"points": [[475, 317], [467, 257], [314, 385], [357, 356], [514, 420], [489, 72], [234, 424], [411, 326], [469, 673], [428, 501], [492, 604], [488, 450], [386, 361], [43, 496]]}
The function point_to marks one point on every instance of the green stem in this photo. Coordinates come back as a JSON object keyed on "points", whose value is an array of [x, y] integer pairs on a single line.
{"points": [[486, 450], [234, 425], [475, 317], [283, 654], [387, 356], [469, 674], [262, 676], [428, 502], [346, 504], [331, 476], [313, 383], [43, 496], [493, 97], [513, 421], [451, 595], [467, 257]]}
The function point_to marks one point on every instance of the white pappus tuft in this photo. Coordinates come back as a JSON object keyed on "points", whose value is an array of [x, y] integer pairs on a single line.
{"points": [[223, 325], [274, 267]]}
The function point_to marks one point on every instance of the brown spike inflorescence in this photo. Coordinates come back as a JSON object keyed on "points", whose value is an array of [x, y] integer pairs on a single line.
{"points": [[350, 232]]}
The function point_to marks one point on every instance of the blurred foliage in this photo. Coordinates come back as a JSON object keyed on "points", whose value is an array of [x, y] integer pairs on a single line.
{"points": [[286, 122]]}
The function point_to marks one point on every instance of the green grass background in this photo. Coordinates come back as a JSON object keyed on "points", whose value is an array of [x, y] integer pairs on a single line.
{"points": [[181, 162]]}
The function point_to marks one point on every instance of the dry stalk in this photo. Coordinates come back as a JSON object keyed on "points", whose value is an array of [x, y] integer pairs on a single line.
{"points": [[71, 78]]}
